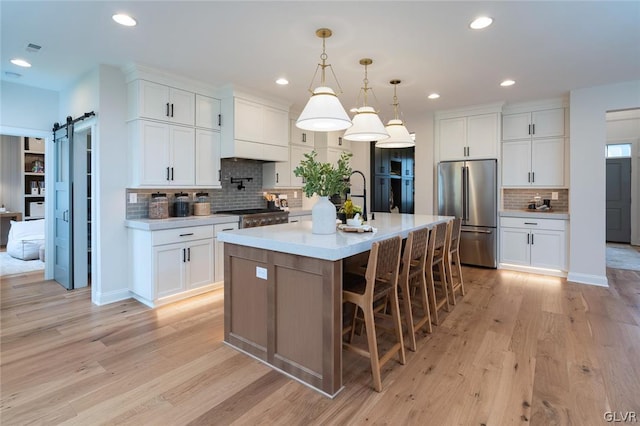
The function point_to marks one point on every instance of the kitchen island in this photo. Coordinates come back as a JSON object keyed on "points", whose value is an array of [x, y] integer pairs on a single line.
{"points": [[283, 293]]}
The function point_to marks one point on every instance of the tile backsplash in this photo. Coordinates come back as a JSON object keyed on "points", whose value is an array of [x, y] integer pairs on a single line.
{"points": [[227, 198], [517, 199]]}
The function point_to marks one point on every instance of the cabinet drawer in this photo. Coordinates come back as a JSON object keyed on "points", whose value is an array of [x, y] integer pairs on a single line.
{"points": [[533, 223], [224, 227], [169, 236]]}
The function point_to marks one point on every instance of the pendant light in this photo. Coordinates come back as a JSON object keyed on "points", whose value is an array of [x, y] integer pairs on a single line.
{"points": [[323, 112], [367, 126], [399, 136]]}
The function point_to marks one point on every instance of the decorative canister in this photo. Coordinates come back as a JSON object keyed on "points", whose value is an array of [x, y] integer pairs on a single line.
{"points": [[181, 204], [202, 205], [158, 206]]}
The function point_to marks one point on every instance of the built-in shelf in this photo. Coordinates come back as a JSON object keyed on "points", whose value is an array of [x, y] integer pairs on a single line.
{"points": [[33, 168]]}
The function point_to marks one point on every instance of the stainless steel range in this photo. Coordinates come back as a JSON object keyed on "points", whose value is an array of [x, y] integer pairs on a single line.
{"points": [[250, 218]]}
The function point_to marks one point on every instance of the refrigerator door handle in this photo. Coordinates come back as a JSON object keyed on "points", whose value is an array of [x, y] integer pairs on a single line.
{"points": [[464, 194], [475, 231]]}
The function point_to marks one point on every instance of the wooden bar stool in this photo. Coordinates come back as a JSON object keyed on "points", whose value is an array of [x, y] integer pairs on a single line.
{"points": [[436, 263], [452, 261], [412, 281], [379, 282]]}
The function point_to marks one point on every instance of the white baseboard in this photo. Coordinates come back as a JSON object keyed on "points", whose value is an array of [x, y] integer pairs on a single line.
{"points": [[598, 280], [532, 270], [111, 297]]}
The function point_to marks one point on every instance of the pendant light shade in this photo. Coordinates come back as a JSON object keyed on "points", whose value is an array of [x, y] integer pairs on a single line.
{"points": [[323, 112], [399, 136], [367, 126]]}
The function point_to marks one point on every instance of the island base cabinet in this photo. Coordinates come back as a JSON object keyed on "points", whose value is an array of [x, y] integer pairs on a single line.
{"points": [[286, 310]]}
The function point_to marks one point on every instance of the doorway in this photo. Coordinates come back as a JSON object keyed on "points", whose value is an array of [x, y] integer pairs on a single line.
{"points": [[618, 207]]}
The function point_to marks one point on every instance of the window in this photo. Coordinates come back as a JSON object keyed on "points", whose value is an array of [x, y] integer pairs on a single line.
{"points": [[619, 150]]}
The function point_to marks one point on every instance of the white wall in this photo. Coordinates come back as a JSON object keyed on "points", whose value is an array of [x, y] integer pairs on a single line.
{"points": [[588, 131], [103, 90], [27, 108], [424, 163], [624, 127]]}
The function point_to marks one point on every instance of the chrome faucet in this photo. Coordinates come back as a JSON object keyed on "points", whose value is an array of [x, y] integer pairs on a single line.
{"points": [[364, 193]]}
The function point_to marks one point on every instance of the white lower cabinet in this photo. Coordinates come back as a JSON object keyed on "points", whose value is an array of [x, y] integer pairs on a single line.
{"points": [[533, 243], [302, 218], [171, 264], [219, 249]]}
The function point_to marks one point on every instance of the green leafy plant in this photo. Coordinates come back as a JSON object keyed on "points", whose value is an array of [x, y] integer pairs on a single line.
{"points": [[350, 209], [324, 179]]}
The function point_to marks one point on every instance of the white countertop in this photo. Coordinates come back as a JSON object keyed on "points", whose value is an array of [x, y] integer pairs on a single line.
{"points": [[534, 214], [296, 238], [179, 222]]}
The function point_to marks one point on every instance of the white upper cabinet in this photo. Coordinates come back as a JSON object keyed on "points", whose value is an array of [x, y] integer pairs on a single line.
{"points": [[299, 136], [160, 102], [535, 124], [207, 112], [534, 147], [163, 154], [207, 158], [468, 137]]}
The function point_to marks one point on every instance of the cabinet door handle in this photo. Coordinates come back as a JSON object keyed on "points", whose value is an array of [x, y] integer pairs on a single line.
{"points": [[304, 137], [167, 109], [167, 173], [172, 110], [529, 177], [531, 223], [533, 176], [531, 239], [219, 120], [186, 235], [228, 229], [533, 129], [189, 254], [529, 129], [277, 177], [184, 255], [528, 238], [340, 141], [172, 173]]}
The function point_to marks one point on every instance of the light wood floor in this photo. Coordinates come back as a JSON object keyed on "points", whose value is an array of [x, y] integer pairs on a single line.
{"points": [[519, 349]]}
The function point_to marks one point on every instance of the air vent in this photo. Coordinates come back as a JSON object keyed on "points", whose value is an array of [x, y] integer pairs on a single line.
{"points": [[33, 47]]}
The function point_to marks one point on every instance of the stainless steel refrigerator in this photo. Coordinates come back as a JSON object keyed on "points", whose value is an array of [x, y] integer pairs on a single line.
{"points": [[468, 190]]}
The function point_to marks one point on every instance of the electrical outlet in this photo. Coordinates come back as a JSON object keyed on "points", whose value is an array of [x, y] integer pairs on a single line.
{"points": [[554, 195], [133, 197], [295, 194], [261, 273]]}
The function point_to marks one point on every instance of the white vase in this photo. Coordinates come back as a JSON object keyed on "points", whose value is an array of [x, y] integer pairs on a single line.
{"points": [[323, 217]]}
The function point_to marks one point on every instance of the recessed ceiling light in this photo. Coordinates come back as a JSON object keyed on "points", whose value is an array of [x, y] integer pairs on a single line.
{"points": [[20, 62], [433, 96], [282, 81], [480, 23], [125, 20], [507, 83]]}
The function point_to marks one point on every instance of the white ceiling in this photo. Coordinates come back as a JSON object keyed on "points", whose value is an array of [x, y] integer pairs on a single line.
{"points": [[549, 48]]}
